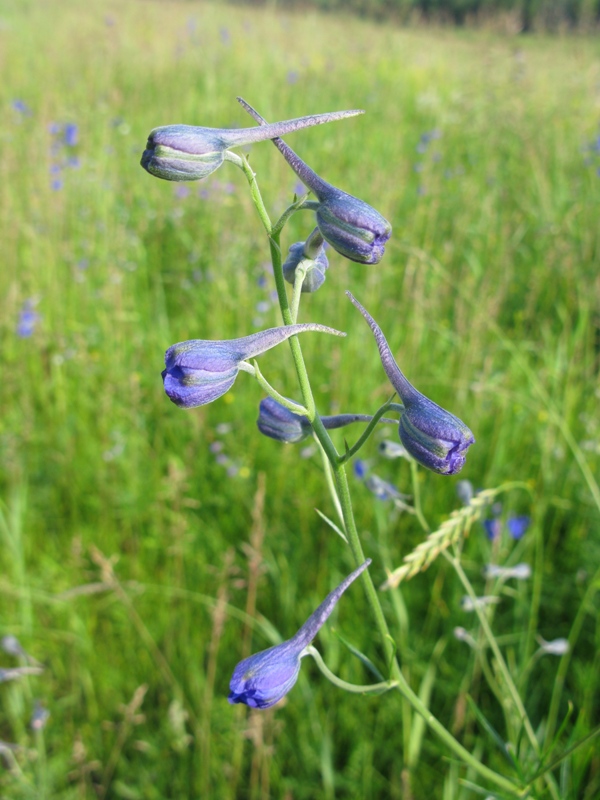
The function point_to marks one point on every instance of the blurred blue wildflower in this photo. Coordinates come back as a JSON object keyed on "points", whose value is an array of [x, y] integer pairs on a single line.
{"points": [[292, 77], [28, 319], [39, 717], [435, 438], [389, 449], [11, 645], [493, 528], [14, 673], [360, 469], [199, 371], [351, 226], [182, 191], [225, 36], [264, 678], [21, 107], [190, 153], [465, 492], [382, 489], [71, 134], [517, 526]]}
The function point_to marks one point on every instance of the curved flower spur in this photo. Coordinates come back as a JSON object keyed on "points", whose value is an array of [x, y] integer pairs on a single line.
{"points": [[351, 226], [199, 371], [190, 153], [432, 436], [264, 678]]}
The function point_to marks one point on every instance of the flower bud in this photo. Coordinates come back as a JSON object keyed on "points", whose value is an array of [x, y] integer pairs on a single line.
{"points": [[190, 153], [199, 371], [311, 255], [432, 436], [278, 422], [264, 678], [351, 226]]}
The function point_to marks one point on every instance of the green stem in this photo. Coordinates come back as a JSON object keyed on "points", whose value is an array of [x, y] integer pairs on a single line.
{"points": [[390, 647], [331, 484], [414, 474], [366, 433], [256, 195], [370, 689], [343, 493], [297, 206], [295, 408]]}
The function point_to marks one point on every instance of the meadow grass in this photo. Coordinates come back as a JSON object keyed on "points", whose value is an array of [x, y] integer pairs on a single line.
{"points": [[136, 565]]}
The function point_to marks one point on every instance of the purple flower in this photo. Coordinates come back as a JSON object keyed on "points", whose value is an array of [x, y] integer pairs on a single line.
{"points": [[21, 107], [28, 319], [517, 526], [264, 678], [71, 134], [199, 371], [39, 717], [435, 438], [382, 489], [189, 153], [278, 422], [311, 254], [181, 192], [493, 528], [360, 469], [351, 226]]}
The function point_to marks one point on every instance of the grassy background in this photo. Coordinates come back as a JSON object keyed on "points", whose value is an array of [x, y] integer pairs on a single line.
{"points": [[137, 567]]}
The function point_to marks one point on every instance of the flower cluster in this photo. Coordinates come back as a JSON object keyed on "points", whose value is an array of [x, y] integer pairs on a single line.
{"points": [[199, 371]]}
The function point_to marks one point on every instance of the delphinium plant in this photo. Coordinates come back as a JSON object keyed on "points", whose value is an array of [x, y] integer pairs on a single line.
{"points": [[199, 371]]}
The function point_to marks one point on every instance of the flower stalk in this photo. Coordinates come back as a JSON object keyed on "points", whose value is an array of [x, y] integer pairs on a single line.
{"points": [[345, 504]]}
